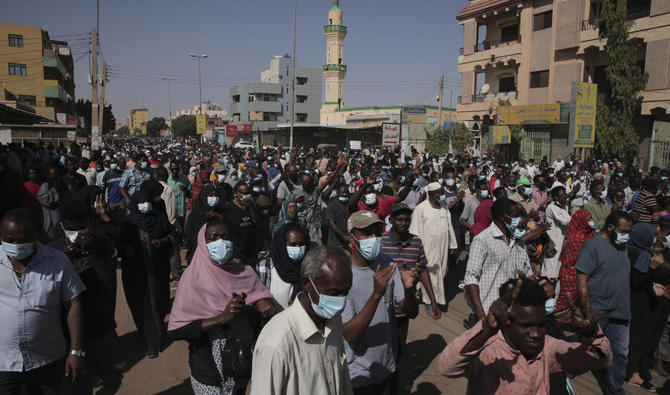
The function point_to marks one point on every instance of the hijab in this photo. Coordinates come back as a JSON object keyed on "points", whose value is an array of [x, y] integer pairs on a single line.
{"points": [[288, 270], [154, 222], [284, 217], [641, 240], [205, 287]]}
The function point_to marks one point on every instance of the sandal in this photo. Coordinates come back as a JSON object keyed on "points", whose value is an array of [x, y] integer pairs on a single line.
{"points": [[646, 385]]}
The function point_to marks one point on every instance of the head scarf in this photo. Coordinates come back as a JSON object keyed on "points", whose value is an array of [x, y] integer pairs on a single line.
{"points": [[154, 222], [483, 217], [205, 288], [288, 270], [576, 235], [641, 240], [283, 215]]}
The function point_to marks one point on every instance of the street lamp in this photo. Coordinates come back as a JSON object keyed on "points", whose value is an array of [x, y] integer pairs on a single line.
{"points": [[168, 79], [200, 57]]}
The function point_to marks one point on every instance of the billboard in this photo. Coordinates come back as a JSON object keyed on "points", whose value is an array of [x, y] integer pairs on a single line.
{"points": [[390, 134], [537, 114], [414, 115], [501, 134], [231, 131], [583, 122], [201, 124]]}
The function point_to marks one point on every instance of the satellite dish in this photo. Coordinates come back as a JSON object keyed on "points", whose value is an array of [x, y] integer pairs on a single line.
{"points": [[485, 89]]}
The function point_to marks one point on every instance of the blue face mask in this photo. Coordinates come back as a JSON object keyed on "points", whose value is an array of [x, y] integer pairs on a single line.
{"points": [[518, 233], [484, 194], [622, 238], [295, 253], [212, 201], [18, 251], [144, 207], [220, 251], [416, 182], [328, 306], [550, 306], [528, 191], [343, 199], [370, 248], [443, 199], [113, 166], [513, 224], [402, 179], [143, 165]]}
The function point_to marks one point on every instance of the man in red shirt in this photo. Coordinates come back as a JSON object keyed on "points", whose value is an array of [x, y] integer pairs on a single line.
{"points": [[368, 198]]}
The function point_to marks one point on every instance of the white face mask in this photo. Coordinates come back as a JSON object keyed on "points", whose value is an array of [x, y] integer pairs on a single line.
{"points": [[370, 199], [71, 235], [220, 177]]}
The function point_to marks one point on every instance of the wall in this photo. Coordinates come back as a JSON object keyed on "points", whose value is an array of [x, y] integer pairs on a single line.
{"points": [[30, 55]]}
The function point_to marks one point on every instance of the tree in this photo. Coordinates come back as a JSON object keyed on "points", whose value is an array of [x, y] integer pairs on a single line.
{"points": [[461, 137], [184, 125], [615, 137], [437, 142], [155, 125], [83, 109], [122, 131]]}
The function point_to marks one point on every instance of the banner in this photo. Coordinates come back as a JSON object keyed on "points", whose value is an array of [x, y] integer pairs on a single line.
{"points": [[538, 114], [144, 129], [501, 135], [355, 144], [390, 134], [231, 131], [584, 128], [201, 124], [247, 127]]}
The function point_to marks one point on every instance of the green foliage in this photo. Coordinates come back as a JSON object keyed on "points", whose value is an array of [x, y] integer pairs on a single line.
{"points": [[461, 138], [155, 125], [184, 125], [122, 131], [83, 109], [437, 143], [624, 81]]}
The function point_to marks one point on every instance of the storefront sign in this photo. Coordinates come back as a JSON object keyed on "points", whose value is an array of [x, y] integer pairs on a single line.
{"points": [[583, 126], [537, 114], [501, 135], [390, 134]]}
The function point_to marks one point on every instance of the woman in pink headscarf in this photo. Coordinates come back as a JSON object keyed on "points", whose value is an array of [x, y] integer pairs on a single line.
{"points": [[219, 308]]}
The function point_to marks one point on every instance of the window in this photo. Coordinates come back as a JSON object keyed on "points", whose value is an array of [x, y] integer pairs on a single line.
{"points": [[29, 99], [542, 21], [251, 98], [301, 80], [509, 33], [16, 40], [539, 79], [300, 98], [506, 84], [17, 69], [236, 98], [301, 117]]}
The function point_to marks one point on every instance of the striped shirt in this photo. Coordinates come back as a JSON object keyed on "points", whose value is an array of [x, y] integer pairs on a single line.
{"points": [[645, 206], [409, 252]]}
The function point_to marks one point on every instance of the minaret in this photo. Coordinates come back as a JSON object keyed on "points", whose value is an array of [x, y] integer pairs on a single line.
{"points": [[333, 71]]}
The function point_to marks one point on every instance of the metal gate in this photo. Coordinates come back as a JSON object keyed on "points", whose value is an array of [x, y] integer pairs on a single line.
{"points": [[536, 143], [661, 153]]}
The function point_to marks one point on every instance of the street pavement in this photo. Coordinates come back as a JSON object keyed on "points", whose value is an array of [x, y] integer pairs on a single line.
{"points": [[169, 373]]}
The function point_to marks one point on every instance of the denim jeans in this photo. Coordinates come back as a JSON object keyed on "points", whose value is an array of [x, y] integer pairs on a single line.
{"points": [[45, 380], [611, 380]]}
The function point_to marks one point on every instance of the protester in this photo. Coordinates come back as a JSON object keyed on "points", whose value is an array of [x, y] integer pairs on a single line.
{"points": [[557, 217], [301, 350], [290, 243], [218, 309]]}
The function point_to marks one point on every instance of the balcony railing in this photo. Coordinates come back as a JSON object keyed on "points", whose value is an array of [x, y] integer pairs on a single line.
{"points": [[589, 24], [638, 12], [491, 96], [488, 44], [335, 67], [334, 29]]}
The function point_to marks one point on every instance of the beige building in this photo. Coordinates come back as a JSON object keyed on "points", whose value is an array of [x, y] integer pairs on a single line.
{"points": [[36, 71], [531, 51], [138, 118]]}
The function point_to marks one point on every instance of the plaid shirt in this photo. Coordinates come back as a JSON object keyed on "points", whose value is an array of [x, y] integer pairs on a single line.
{"points": [[493, 261], [409, 252], [131, 180]]}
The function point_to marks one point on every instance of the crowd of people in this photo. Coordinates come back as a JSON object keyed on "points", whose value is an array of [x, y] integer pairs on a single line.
{"points": [[299, 271]]}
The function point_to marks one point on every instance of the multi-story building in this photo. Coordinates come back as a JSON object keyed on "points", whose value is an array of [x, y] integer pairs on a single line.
{"points": [[267, 103], [138, 118], [212, 110], [36, 70], [528, 52]]}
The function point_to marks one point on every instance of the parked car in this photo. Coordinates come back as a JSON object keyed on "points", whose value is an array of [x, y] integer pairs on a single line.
{"points": [[242, 144]]}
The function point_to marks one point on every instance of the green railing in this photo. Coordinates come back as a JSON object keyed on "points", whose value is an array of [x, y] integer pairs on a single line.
{"points": [[335, 67], [334, 29]]}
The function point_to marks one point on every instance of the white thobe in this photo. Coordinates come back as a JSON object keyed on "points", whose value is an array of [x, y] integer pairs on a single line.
{"points": [[559, 218], [434, 228]]}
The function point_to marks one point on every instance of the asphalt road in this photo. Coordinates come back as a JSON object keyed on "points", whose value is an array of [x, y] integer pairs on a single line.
{"points": [[169, 373]]}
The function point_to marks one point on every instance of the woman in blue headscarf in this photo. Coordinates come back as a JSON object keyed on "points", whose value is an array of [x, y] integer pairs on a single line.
{"points": [[649, 308]]}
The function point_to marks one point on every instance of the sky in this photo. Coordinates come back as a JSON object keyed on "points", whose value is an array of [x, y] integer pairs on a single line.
{"points": [[395, 50]]}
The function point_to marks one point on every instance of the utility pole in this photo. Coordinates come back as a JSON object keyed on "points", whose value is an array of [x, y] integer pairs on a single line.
{"points": [[439, 100], [168, 79], [295, 13], [200, 57], [101, 108], [94, 93]]}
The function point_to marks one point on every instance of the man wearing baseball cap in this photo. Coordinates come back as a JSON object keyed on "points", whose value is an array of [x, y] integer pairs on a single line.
{"points": [[368, 317]]}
